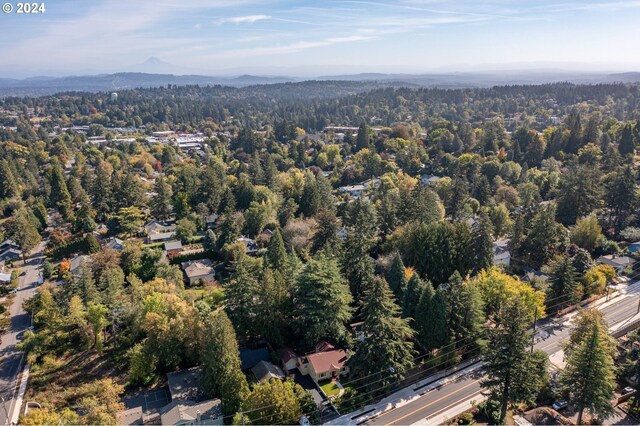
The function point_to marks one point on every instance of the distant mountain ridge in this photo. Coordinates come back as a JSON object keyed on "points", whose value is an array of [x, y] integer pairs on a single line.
{"points": [[43, 85]]}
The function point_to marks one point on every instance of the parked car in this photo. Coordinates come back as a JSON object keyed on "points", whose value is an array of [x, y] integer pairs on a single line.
{"points": [[559, 405], [628, 390]]}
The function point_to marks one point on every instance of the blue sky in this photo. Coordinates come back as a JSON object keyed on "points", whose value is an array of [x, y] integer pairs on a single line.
{"points": [[321, 37]]}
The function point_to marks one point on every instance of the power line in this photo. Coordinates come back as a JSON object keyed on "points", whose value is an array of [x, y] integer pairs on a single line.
{"points": [[418, 373]]}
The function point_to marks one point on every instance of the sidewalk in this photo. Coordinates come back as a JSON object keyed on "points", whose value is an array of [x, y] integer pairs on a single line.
{"points": [[408, 394], [453, 411], [15, 415]]}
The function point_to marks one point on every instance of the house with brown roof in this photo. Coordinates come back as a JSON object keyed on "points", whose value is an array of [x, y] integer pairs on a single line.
{"points": [[201, 269], [619, 263], [187, 412], [325, 363]]}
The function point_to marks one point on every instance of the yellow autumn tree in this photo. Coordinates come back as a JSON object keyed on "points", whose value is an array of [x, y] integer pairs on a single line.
{"points": [[496, 288]]}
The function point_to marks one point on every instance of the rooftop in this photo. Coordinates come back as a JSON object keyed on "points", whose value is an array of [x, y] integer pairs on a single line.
{"points": [[173, 245], [195, 268], [183, 385], [264, 370], [250, 357], [179, 412], [327, 361]]}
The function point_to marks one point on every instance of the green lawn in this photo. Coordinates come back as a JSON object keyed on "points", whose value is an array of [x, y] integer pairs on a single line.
{"points": [[329, 388]]}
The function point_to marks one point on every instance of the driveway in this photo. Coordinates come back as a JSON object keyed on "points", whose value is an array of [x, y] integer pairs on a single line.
{"points": [[327, 412]]}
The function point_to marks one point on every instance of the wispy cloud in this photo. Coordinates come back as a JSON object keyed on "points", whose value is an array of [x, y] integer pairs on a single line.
{"points": [[290, 48], [249, 19]]}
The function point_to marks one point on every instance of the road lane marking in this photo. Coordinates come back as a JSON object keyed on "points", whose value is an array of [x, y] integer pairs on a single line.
{"points": [[440, 412], [433, 402]]}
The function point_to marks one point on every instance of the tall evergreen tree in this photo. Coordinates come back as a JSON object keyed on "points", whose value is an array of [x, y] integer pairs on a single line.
{"points": [[60, 196], [396, 277], [423, 320], [275, 306], [578, 194], [411, 296], [321, 301], [357, 264], [102, 192], [513, 372], [24, 232], [276, 256], [325, 236], [161, 206], [620, 195], [563, 290], [482, 244], [220, 357], [8, 184], [209, 241], [87, 285], [242, 297], [626, 145], [438, 335], [386, 350], [589, 376], [363, 139], [545, 239], [464, 314]]}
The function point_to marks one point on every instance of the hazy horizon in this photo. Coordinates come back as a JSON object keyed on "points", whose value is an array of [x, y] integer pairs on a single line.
{"points": [[309, 39]]}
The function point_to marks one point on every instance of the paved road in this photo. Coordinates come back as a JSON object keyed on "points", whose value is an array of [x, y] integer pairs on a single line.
{"points": [[439, 400], [12, 358]]}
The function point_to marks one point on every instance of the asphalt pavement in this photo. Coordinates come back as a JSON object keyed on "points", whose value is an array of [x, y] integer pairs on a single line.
{"points": [[12, 359], [549, 339]]}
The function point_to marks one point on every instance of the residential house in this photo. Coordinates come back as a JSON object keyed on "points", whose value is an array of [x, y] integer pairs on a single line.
{"points": [[211, 220], [187, 406], [160, 237], [179, 413], [250, 246], [156, 226], [9, 250], [533, 275], [10, 254], [173, 247], [201, 269], [132, 416], [264, 371], [77, 262], [114, 243], [427, 180], [501, 254], [371, 183], [354, 191], [324, 364], [289, 359], [7, 244], [249, 358], [619, 263]]}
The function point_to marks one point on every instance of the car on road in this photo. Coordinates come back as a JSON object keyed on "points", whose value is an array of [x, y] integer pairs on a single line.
{"points": [[559, 405]]}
